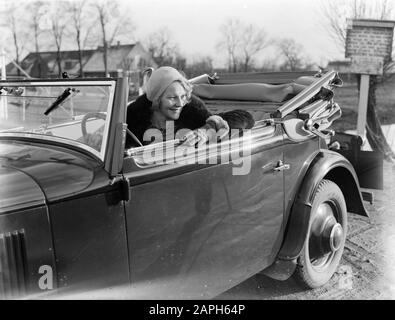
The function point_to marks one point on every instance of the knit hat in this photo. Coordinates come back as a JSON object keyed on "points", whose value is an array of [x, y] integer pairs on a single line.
{"points": [[160, 80]]}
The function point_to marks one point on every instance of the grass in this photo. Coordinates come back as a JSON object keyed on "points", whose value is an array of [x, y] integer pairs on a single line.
{"points": [[347, 98]]}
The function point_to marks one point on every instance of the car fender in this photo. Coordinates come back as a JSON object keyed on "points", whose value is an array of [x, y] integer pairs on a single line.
{"points": [[325, 165]]}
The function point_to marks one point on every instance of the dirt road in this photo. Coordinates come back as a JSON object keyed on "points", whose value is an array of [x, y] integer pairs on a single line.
{"points": [[367, 269]]}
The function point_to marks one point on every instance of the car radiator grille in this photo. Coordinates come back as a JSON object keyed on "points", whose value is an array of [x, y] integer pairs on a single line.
{"points": [[12, 264]]}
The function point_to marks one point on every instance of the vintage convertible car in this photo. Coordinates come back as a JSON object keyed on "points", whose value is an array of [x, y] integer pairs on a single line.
{"points": [[78, 212]]}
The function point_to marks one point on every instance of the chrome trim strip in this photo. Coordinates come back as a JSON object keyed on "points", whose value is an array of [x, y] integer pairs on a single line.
{"points": [[58, 84], [13, 264], [257, 139], [107, 122], [314, 108], [305, 95]]}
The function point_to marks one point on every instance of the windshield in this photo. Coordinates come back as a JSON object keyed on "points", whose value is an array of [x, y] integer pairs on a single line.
{"points": [[70, 112]]}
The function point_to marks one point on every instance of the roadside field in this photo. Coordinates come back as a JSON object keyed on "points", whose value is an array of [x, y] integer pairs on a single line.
{"points": [[347, 98]]}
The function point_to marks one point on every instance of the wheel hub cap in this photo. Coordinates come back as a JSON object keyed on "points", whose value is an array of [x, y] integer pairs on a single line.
{"points": [[327, 233], [336, 236]]}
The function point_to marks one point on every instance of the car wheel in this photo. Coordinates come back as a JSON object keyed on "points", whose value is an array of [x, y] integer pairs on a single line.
{"points": [[326, 236]]}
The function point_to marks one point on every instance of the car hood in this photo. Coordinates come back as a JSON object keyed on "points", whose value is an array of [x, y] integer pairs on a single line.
{"points": [[57, 171], [18, 190]]}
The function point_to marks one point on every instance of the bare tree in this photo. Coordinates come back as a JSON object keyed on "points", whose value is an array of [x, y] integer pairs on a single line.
{"points": [[36, 12], [230, 32], [112, 24], [253, 40], [82, 26], [292, 52], [104, 20], [179, 62], [269, 64], [335, 14], [59, 23], [199, 66], [162, 47], [12, 21], [241, 42], [127, 63]]}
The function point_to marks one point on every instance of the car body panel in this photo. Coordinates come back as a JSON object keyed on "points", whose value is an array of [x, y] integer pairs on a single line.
{"points": [[295, 155], [18, 190], [367, 164], [50, 166], [323, 166], [25, 246], [90, 242], [44, 167], [179, 225]]}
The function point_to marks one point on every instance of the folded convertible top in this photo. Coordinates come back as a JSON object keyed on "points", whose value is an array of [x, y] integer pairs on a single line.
{"points": [[263, 92]]}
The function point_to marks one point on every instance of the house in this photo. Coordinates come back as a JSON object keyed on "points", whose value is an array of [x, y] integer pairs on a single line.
{"points": [[129, 57], [44, 64]]}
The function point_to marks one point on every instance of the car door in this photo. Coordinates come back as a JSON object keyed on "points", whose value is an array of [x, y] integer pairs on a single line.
{"points": [[196, 229], [90, 242]]}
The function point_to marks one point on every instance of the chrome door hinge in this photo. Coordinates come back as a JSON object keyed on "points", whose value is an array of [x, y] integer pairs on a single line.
{"points": [[124, 186]]}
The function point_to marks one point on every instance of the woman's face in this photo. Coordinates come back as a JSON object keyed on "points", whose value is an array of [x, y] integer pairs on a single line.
{"points": [[172, 101]]}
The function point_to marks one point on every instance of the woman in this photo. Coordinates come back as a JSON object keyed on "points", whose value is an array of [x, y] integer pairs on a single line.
{"points": [[168, 97]]}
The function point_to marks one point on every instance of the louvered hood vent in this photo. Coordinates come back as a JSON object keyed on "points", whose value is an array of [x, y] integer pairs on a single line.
{"points": [[13, 269]]}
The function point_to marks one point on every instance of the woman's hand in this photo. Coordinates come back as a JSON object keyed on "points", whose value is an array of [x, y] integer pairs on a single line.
{"points": [[196, 137], [203, 136], [217, 122], [214, 129]]}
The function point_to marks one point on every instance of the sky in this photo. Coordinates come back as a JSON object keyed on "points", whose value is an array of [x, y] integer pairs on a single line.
{"points": [[194, 24]]}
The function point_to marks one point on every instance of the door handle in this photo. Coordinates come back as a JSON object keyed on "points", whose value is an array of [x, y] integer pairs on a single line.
{"points": [[282, 166]]}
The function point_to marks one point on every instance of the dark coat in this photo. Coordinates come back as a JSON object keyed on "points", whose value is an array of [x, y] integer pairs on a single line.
{"points": [[193, 115]]}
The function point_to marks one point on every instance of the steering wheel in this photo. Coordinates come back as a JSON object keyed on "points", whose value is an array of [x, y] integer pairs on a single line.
{"points": [[100, 115], [136, 141], [90, 115]]}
